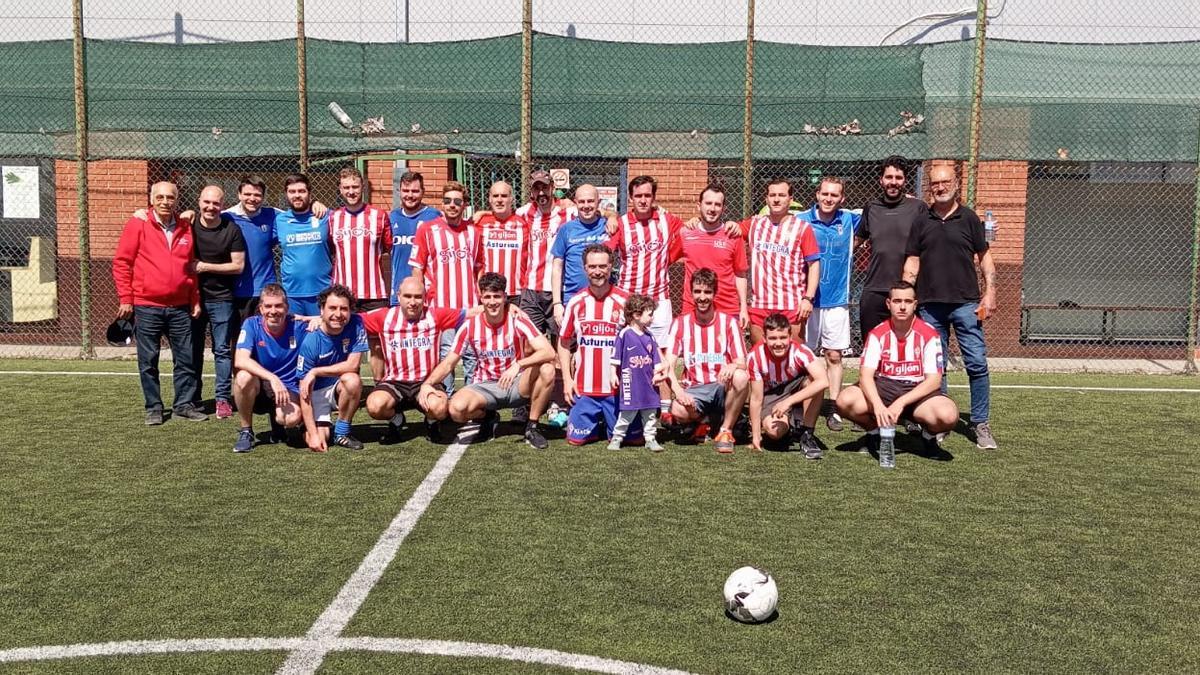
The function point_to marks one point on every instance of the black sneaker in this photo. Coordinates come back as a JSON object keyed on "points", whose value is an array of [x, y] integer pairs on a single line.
{"points": [[191, 413], [520, 414], [278, 431], [154, 417], [535, 438], [433, 431], [808, 443], [487, 426], [348, 441], [245, 440], [394, 427]]}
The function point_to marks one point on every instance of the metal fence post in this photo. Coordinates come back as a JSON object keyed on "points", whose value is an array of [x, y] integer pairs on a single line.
{"points": [[81, 186], [302, 84], [748, 115], [976, 102], [526, 95], [1193, 300]]}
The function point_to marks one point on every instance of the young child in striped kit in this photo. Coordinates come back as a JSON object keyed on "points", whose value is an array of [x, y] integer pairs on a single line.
{"points": [[637, 366]]}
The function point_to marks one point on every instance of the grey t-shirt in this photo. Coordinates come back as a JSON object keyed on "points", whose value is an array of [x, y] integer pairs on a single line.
{"points": [[887, 227]]}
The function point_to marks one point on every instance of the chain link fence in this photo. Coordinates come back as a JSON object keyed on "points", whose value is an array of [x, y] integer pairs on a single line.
{"points": [[1081, 136]]}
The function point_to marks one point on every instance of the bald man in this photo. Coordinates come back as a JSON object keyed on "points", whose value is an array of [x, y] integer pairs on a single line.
{"points": [[568, 274], [156, 285], [220, 259], [941, 255]]}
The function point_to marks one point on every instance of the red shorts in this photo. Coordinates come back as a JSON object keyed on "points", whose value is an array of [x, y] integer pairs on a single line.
{"points": [[758, 315]]}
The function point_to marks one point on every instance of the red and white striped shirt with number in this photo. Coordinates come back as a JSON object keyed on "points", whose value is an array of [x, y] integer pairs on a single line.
{"points": [[505, 248], [450, 258], [775, 373], [778, 261], [358, 241], [910, 358], [647, 248], [593, 323], [410, 348], [705, 348], [543, 227], [496, 347]]}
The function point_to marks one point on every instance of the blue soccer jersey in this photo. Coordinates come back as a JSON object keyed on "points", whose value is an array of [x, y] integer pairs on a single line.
{"points": [[836, 241], [572, 238], [321, 349], [306, 268], [404, 228], [276, 353], [258, 231]]}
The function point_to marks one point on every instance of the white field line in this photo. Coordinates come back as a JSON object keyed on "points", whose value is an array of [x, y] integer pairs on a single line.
{"points": [[1049, 387], [549, 657], [337, 615]]}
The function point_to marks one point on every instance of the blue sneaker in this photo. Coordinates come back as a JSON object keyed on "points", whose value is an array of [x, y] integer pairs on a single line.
{"points": [[245, 440]]}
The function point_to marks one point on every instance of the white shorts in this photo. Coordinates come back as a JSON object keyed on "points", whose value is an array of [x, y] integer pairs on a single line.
{"points": [[324, 402], [661, 325], [828, 328]]}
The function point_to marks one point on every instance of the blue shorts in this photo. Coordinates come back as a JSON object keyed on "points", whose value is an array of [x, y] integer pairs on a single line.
{"points": [[304, 306], [592, 414]]}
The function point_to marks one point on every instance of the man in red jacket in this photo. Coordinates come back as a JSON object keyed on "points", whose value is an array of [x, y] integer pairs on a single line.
{"points": [[156, 283]]}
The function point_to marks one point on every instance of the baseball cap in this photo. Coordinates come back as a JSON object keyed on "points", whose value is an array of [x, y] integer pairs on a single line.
{"points": [[540, 176], [119, 333]]}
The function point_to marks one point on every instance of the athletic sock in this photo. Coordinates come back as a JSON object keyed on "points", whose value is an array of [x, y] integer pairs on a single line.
{"points": [[341, 428]]}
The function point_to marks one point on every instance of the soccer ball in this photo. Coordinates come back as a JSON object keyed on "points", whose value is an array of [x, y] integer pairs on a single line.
{"points": [[751, 595]]}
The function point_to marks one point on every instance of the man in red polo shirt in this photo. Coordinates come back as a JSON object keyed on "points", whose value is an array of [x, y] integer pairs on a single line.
{"points": [[709, 244]]}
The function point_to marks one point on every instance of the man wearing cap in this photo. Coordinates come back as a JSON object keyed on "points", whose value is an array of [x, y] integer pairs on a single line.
{"points": [[156, 283], [544, 216]]}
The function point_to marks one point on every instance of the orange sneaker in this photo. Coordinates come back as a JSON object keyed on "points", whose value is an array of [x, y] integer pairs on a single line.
{"points": [[725, 442]]}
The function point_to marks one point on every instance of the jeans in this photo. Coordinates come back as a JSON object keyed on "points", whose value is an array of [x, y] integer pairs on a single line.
{"points": [[969, 331], [220, 316], [446, 341], [149, 325]]}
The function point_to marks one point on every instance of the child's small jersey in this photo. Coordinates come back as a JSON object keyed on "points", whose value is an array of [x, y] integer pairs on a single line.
{"points": [[321, 349], [635, 355]]}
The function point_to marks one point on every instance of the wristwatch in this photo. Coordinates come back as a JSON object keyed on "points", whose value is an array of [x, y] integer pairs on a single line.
{"points": [[809, 298]]}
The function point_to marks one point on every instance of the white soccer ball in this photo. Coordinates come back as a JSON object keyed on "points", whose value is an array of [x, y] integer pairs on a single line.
{"points": [[751, 595]]}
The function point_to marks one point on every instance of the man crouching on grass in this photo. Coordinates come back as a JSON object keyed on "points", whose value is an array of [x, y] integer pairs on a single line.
{"points": [[328, 370], [515, 365], [784, 374], [901, 375]]}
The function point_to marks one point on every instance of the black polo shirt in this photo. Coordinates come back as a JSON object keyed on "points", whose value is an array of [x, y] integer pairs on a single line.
{"points": [[947, 249], [887, 227], [215, 246]]}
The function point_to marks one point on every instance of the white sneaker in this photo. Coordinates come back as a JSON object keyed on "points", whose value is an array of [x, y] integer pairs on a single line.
{"points": [[614, 445]]}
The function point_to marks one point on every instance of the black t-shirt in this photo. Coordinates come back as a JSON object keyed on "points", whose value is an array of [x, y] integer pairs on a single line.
{"points": [[215, 246], [947, 249], [887, 226]]}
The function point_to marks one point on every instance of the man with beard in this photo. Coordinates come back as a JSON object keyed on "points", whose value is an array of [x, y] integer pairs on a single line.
{"points": [[886, 222], [327, 367], [942, 251], [544, 216], [404, 222], [303, 238], [709, 244]]}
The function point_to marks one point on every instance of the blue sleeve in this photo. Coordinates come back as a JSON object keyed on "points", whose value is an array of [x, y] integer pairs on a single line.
{"points": [[307, 356], [559, 249], [360, 339], [248, 336]]}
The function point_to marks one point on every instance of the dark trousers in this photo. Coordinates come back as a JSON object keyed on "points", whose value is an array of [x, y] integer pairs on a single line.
{"points": [[872, 310], [150, 324], [217, 318]]}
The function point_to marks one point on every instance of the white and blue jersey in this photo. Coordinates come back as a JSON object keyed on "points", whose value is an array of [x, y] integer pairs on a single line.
{"points": [[259, 232], [836, 241], [306, 268], [572, 238], [404, 228], [276, 353], [321, 349]]}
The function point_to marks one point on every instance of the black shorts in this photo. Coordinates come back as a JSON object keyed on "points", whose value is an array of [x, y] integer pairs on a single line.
{"points": [[539, 305], [872, 311], [890, 390], [264, 403], [405, 394], [361, 306], [244, 308]]}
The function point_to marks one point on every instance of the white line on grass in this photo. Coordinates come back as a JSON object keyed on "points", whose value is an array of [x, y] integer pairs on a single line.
{"points": [[1051, 387], [337, 615], [548, 657]]}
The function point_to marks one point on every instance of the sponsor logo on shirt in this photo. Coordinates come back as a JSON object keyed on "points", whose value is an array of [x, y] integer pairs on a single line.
{"points": [[901, 368], [705, 357], [649, 247], [303, 238], [347, 232], [403, 240], [451, 254], [597, 328], [411, 343], [507, 353], [540, 234], [641, 361], [770, 247]]}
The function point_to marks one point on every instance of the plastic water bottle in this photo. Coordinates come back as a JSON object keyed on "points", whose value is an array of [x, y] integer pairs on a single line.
{"points": [[556, 417], [989, 226], [887, 447]]}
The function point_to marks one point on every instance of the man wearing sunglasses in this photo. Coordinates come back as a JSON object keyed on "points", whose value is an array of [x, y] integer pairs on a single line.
{"points": [[447, 258]]}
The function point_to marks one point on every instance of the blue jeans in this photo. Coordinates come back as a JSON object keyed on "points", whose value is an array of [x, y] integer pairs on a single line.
{"points": [[149, 325], [220, 317], [969, 331], [446, 341]]}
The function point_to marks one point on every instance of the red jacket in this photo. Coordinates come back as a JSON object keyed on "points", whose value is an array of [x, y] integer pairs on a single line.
{"points": [[148, 272]]}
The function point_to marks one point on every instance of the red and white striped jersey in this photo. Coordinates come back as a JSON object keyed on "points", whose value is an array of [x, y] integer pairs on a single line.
{"points": [[359, 239], [773, 372], [505, 248], [410, 348], [593, 323], [705, 348], [543, 227], [911, 358], [450, 258], [647, 249], [778, 260], [496, 347]]}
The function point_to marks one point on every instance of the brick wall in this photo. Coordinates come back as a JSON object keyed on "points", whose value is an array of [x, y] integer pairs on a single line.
{"points": [[679, 181]]}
